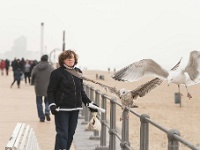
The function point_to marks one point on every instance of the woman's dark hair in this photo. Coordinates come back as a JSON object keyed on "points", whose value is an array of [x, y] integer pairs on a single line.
{"points": [[67, 54]]}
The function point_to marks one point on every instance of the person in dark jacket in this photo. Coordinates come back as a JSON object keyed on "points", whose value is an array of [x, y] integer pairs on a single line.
{"points": [[16, 64], [7, 66], [40, 79], [66, 93], [17, 77], [27, 71]]}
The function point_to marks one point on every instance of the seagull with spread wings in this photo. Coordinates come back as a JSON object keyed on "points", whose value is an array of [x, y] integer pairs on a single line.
{"points": [[127, 96], [187, 76]]}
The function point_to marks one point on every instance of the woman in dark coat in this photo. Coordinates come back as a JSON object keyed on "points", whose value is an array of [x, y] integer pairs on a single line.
{"points": [[66, 92]]}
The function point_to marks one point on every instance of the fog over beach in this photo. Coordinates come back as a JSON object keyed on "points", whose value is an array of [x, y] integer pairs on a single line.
{"points": [[105, 34]]}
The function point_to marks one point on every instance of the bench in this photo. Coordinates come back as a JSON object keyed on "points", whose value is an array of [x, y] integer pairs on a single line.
{"points": [[22, 138]]}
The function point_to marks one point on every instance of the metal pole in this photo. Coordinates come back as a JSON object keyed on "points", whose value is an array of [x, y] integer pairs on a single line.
{"points": [[125, 129], [63, 40], [103, 126], [112, 144], [144, 133], [96, 135], [42, 38], [86, 111], [173, 144], [81, 112], [103, 129]]}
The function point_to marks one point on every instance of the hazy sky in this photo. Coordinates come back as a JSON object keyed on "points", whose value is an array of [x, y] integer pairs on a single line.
{"points": [[105, 33]]}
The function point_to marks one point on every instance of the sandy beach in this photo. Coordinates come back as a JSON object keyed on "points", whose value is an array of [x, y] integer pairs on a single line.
{"points": [[160, 105]]}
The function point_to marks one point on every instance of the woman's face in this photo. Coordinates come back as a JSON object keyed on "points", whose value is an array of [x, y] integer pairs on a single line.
{"points": [[69, 61]]}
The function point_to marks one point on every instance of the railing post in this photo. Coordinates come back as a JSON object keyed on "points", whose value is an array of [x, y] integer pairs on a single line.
{"points": [[172, 143], [103, 126], [125, 129], [104, 120], [96, 100], [144, 132], [82, 112], [86, 110], [91, 97], [112, 141]]}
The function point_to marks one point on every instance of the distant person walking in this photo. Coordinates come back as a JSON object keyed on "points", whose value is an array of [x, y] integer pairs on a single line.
{"points": [[7, 66], [27, 71], [22, 63], [40, 78], [2, 66], [16, 64], [33, 63], [97, 76], [17, 77]]}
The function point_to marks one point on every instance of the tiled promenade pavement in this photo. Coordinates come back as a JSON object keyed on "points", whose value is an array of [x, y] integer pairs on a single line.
{"points": [[18, 105]]}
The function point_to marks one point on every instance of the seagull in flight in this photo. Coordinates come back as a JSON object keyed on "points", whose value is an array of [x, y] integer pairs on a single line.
{"points": [[126, 96], [148, 67]]}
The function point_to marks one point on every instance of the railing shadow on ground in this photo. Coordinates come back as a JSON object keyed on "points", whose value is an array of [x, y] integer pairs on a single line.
{"points": [[173, 135]]}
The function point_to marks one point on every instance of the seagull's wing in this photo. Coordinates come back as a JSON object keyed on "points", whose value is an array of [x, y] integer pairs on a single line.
{"points": [[143, 89], [140, 69], [177, 65], [80, 75], [110, 89], [193, 66]]}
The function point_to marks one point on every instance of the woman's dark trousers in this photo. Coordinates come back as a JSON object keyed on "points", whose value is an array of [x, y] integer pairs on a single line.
{"points": [[66, 123]]}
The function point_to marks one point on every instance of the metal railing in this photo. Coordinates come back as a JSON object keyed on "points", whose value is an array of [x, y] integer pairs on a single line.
{"points": [[173, 135]]}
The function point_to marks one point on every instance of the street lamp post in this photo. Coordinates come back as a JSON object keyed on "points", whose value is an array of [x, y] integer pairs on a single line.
{"points": [[63, 41], [42, 40]]}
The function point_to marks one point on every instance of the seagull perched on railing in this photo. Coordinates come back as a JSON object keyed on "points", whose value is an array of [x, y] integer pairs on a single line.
{"points": [[187, 76], [127, 96]]}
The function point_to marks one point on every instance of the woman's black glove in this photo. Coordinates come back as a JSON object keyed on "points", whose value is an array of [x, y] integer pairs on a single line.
{"points": [[53, 109]]}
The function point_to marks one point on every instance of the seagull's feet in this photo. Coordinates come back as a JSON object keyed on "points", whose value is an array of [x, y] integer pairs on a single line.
{"points": [[189, 95], [134, 106], [127, 117], [180, 95]]}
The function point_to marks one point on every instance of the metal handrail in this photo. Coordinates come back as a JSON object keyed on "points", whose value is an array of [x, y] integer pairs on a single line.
{"points": [[173, 135]]}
